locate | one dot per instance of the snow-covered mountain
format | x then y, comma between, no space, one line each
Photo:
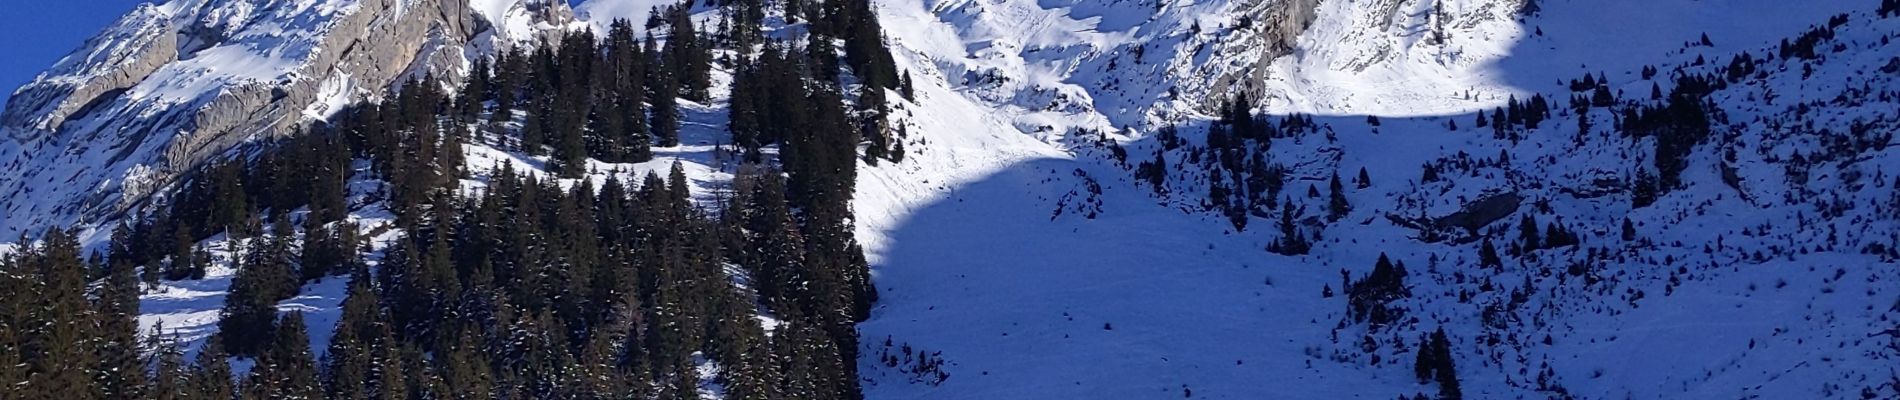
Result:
1017,243
1041,271
171,85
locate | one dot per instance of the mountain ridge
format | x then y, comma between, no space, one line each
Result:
169,86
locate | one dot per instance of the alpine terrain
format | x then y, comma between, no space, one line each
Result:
958,199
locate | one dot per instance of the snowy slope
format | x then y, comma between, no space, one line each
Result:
1011,244
984,251
601,14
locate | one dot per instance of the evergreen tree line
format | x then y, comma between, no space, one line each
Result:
784,87
1243,181
611,100
496,296
1435,364
1516,117
1369,299
60,340
1550,236
1803,46
509,293
1678,124
532,290
1599,95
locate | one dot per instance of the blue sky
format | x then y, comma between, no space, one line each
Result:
36,33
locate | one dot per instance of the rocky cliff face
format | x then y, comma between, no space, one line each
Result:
170,86
134,47
1277,29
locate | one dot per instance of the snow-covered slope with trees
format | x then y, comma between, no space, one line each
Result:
1050,268
1230,199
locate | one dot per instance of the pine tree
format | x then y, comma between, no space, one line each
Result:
211,376
121,373
1527,233
122,252
245,323
686,56
904,87
1427,361
871,117
409,369
808,360
666,113
537,356
1643,192
349,365
60,361
740,347
778,265
673,332
466,368
599,373
169,374
1337,207
1435,359
570,153
509,67
475,90
1488,256
437,287
1368,300
448,161
534,132
1291,241
286,370
864,46
321,253
745,109
200,258
329,180
1439,36
627,66
14,309
1154,173
232,207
